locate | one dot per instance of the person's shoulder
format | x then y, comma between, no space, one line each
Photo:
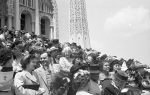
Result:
102,76
111,72
111,88
37,69
35,72
83,93
62,58
21,73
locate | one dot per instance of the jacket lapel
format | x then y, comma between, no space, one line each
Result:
42,75
31,77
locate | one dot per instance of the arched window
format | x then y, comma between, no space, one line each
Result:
23,21
43,26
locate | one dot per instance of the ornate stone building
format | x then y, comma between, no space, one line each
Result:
39,16
63,19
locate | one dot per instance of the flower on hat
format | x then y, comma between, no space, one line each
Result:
81,78
52,49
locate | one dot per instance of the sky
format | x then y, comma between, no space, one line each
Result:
120,28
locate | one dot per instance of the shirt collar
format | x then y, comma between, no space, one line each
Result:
113,83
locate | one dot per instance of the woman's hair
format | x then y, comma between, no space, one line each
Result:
113,63
74,60
26,60
5,56
17,43
101,63
66,49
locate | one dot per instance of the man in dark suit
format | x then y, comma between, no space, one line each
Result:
118,83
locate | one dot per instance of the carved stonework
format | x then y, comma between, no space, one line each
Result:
42,14
6,7
2,8
72,16
32,12
55,16
10,7
78,20
84,18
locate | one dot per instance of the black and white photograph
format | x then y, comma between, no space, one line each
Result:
74,47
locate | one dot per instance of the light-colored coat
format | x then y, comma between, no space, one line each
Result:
25,78
6,84
65,65
42,79
95,88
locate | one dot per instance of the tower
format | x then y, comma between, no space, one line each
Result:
73,25
78,23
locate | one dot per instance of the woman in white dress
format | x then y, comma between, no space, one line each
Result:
65,62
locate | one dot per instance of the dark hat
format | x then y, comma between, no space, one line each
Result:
103,57
74,44
113,63
94,68
78,54
76,68
5,55
94,55
139,66
121,75
55,41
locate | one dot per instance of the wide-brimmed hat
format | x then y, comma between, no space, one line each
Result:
121,75
113,63
76,68
74,44
5,55
94,68
55,41
139,66
52,49
77,54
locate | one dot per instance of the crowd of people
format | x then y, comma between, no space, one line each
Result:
35,65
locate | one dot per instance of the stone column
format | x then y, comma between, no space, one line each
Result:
54,28
2,21
9,22
17,15
37,26
51,32
32,23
